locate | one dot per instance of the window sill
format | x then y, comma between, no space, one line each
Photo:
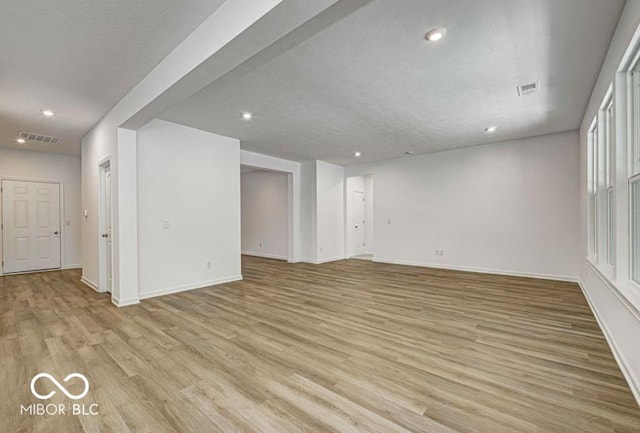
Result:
629,293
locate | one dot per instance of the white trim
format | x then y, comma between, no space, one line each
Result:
124,302
193,286
74,266
90,283
264,255
477,270
632,380
327,260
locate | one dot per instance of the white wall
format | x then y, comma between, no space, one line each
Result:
614,301
329,211
193,64
191,179
28,165
508,207
264,208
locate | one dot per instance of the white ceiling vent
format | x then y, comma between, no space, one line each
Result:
529,88
38,138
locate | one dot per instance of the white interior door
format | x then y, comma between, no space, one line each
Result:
31,226
358,222
107,234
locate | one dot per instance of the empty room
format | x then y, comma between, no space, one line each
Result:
320,216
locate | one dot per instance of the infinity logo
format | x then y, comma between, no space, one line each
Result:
59,385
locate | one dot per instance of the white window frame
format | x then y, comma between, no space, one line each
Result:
592,190
609,176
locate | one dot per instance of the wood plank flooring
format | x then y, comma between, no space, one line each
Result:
349,346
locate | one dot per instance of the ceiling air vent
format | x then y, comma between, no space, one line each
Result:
528,89
38,138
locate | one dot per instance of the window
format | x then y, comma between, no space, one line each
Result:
592,188
635,229
608,153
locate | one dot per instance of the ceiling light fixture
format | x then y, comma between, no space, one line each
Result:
491,129
357,154
48,113
434,35
247,116
21,140
409,152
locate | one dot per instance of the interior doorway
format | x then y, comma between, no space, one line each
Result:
106,229
359,217
266,213
31,229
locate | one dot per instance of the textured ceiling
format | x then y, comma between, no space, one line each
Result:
372,83
79,58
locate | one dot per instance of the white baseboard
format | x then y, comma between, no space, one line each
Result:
90,283
124,302
264,255
192,286
76,266
327,260
477,270
633,379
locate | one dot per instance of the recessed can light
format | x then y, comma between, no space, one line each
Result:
247,116
21,140
357,154
48,113
434,35
490,129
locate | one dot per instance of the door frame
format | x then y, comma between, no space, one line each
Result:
353,250
102,246
63,226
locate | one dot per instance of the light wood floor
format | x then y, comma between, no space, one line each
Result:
346,346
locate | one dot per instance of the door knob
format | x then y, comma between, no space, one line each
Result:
55,233
105,235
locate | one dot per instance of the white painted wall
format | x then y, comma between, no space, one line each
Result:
614,301
194,63
191,179
264,208
27,165
508,207
297,243
329,211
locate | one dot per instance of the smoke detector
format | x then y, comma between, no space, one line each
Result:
31,137
529,88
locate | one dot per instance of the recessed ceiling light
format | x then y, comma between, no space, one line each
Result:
491,129
357,154
409,152
434,35
247,116
21,140
48,113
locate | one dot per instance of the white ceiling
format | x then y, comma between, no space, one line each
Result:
79,58
372,83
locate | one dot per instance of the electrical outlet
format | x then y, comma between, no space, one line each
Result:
439,252
165,224
389,221
260,244
321,249
208,265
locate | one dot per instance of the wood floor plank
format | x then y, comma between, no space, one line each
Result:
348,346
